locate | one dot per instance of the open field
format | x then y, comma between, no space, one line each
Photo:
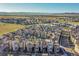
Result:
6,27
74,23
70,22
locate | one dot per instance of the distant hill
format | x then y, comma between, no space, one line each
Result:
37,13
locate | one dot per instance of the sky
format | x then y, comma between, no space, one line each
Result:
40,7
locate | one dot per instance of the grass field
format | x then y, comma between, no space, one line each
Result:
70,22
67,28
6,27
74,23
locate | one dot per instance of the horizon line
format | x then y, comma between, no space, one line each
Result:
34,12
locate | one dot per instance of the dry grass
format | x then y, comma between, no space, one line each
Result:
5,27
70,22
74,23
